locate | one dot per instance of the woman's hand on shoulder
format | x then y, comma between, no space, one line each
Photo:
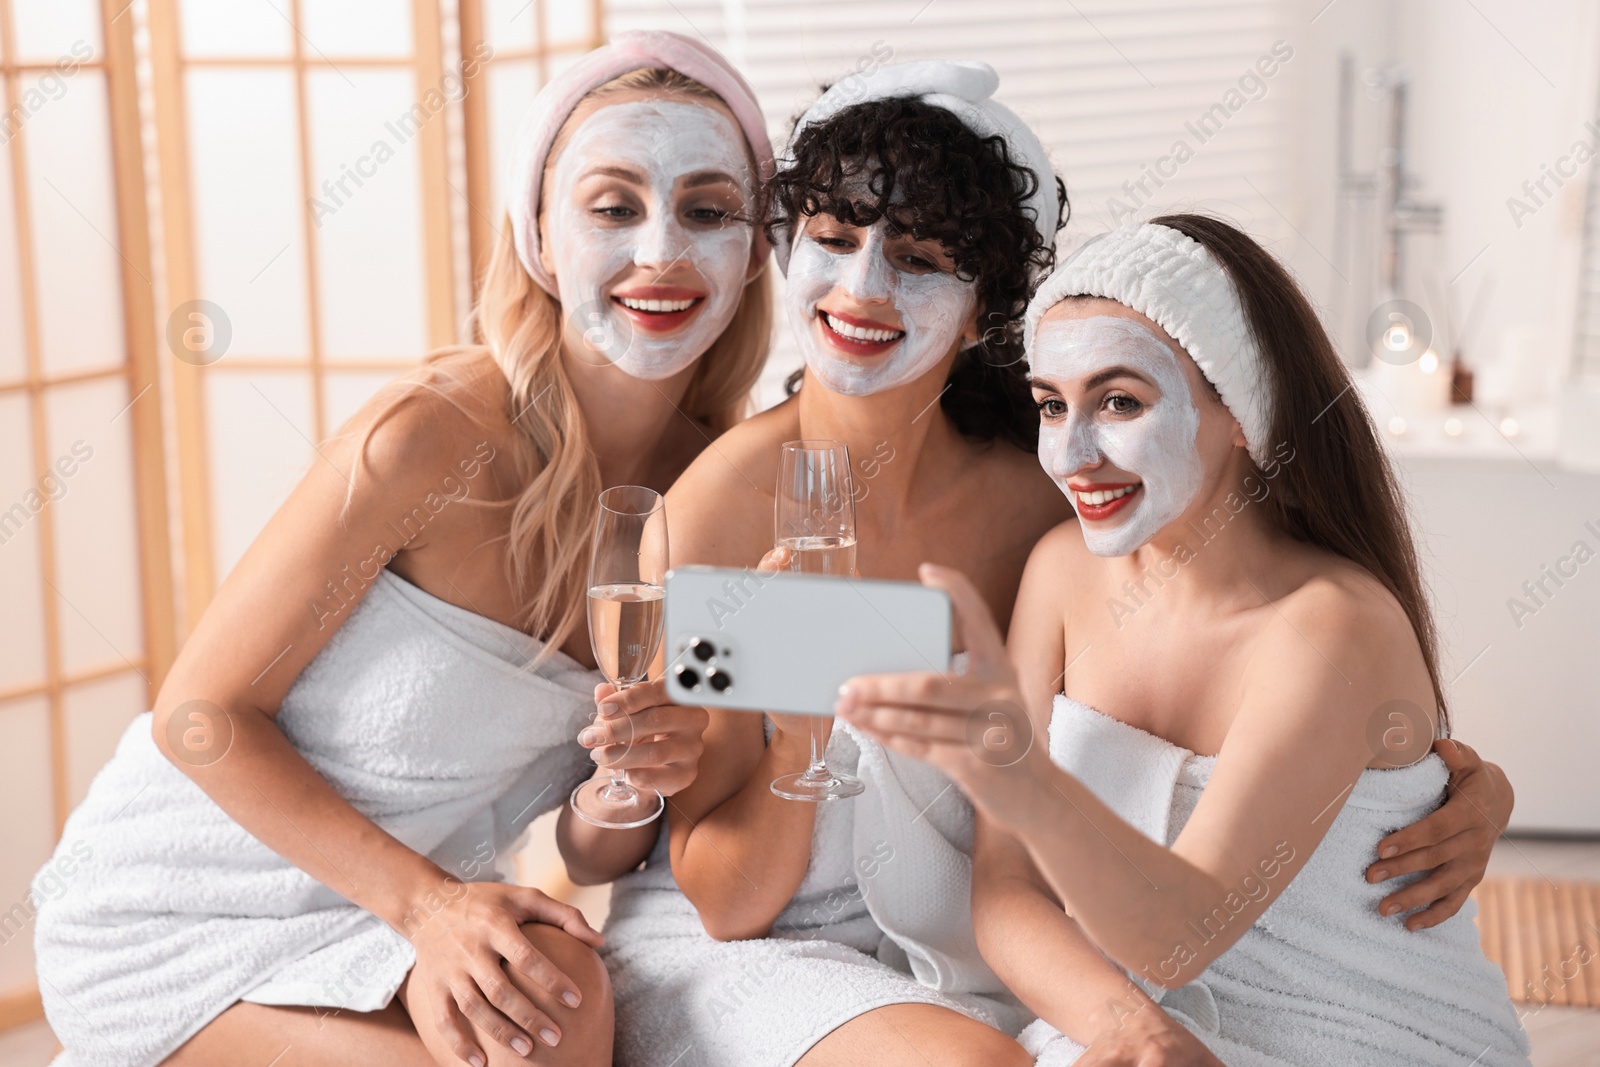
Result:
643,733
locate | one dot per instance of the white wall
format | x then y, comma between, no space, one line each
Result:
1499,88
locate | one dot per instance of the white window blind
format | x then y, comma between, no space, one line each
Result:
1145,106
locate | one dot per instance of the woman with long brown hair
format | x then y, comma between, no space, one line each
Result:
1232,690
294,858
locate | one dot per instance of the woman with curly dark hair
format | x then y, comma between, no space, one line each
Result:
912,229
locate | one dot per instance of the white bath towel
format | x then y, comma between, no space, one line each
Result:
686,1000
1320,978
922,901
426,717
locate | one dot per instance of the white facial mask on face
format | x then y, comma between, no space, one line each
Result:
931,307
664,140
1157,445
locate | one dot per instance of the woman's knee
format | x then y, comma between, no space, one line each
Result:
573,958
585,1033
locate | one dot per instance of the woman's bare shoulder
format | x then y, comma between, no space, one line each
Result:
1338,622
1341,600
720,510
427,423
742,458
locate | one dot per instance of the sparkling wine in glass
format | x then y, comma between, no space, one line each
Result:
815,519
626,570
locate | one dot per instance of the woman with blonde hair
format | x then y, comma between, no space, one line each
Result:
293,857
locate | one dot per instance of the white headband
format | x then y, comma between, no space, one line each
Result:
966,90
1174,281
629,51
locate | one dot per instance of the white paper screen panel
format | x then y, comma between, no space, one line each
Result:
73,205
261,433
48,29
97,559
368,210
374,28
245,180
236,28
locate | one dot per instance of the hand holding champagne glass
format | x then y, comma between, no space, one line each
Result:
626,570
815,517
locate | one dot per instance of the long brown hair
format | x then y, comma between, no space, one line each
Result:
1339,492
553,514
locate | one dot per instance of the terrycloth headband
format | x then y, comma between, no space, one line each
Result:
1173,280
966,90
634,50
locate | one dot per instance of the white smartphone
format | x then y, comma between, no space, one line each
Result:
785,642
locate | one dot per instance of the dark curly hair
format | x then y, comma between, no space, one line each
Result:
933,177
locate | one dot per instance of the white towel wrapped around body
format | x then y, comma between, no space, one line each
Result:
882,917
1321,977
425,716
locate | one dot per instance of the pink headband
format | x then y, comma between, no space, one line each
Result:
634,50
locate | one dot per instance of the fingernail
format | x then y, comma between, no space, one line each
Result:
590,736
610,710
549,1037
1390,909
846,692
522,1045
570,999
1380,874
476,1059
1388,852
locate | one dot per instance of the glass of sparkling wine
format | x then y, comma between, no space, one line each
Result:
626,570
815,518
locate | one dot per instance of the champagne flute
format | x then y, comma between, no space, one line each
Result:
626,571
815,517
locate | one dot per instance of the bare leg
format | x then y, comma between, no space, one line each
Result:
915,1035
586,1031
252,1035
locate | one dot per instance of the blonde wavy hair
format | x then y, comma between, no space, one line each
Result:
553,515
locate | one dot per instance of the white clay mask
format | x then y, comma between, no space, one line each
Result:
664,141
1156,445
932,308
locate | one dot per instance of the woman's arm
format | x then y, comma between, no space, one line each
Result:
1315,679
1042,956
270,618
658,743
1024,934
1453,844
738,851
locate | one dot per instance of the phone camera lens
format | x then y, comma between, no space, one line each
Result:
703,650
687,677
719,680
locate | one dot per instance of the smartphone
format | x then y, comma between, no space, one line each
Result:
785,642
